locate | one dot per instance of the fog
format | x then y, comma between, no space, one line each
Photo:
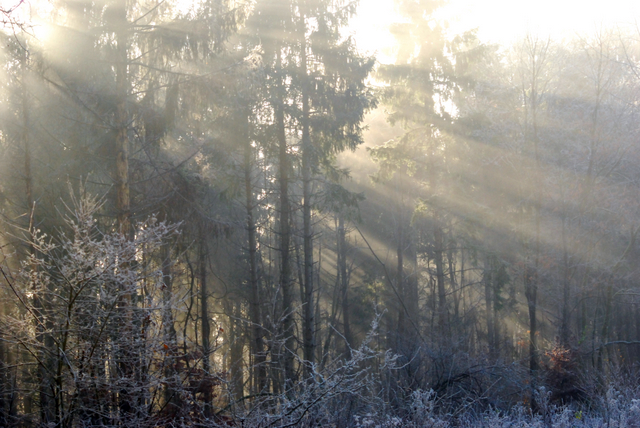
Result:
319,213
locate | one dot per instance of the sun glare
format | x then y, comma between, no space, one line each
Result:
502,21
41,31
497,21
32,17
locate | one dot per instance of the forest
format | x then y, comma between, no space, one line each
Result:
226,213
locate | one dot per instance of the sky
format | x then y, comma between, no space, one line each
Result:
499,21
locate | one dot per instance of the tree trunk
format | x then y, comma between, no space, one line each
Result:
455,291
536,52
204,320
307,304
257,341
489,307
287,354
5,384
127,358
42,322
236,351
411,283
443,312
344,285
170,338
604,334
121,120
565,329
531,293
400,278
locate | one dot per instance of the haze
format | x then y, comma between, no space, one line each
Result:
304,213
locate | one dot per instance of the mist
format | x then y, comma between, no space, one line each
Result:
319,213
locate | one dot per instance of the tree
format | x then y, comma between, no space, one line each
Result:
421,82
319,98
75,273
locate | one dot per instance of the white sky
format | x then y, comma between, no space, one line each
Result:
499,21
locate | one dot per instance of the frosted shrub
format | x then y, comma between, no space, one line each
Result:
619,410
623,413
565,418
422,404
320,399
373,421
633,416
81,318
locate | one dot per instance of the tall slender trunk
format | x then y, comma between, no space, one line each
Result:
204,320
257,341
636,317
489,292
127,353
443,312
236,360
536,57
5,384
400,277
7,390
604,333
463,294
344,285
169,331
42,321
411,282
334,304
285,231
121,120
565,329
531,294
26,144
455,290
308,305
533,285
583,259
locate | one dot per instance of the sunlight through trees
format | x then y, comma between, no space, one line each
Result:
227,213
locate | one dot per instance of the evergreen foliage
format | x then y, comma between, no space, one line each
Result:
224,214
